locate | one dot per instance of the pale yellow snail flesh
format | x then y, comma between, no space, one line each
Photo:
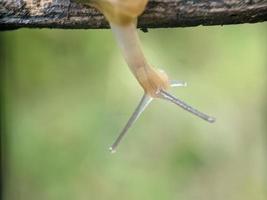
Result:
122,17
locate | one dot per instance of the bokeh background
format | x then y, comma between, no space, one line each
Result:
68,93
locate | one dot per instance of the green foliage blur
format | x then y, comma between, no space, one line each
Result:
68,93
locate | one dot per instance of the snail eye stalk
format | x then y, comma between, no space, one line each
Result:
146,100
166,96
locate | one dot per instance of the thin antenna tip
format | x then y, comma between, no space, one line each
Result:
174,83
112,150
211,119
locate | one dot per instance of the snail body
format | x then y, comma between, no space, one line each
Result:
122,17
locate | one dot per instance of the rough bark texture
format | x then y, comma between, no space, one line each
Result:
159,13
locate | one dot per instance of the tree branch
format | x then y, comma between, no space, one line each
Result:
159,13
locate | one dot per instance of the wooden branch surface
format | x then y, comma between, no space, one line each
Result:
158,14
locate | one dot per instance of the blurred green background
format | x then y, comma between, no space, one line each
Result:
68,93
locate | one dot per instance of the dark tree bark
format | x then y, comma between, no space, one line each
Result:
158,14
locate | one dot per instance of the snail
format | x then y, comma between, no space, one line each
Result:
122,17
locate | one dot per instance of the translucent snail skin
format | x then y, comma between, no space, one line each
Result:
122,17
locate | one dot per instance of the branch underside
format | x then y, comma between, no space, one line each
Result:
158,14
